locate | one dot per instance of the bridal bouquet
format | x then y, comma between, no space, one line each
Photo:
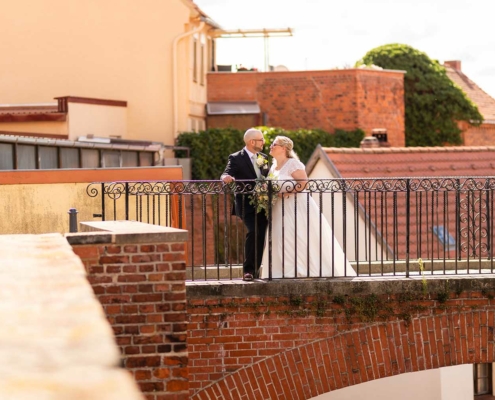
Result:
260,198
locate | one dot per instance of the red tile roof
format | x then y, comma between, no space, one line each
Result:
30,113
485,103
411,162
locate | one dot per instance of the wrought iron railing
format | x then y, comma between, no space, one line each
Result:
382,226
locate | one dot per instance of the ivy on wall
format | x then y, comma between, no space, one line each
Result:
433,103
210,149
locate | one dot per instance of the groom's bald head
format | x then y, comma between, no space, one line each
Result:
254,140
252,134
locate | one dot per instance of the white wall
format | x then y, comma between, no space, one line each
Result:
449,383
457,382
366,233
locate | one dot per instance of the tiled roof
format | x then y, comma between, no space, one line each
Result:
485,103
413,161
410,162
31,113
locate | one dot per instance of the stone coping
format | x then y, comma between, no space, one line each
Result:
338,286
55,340
122,232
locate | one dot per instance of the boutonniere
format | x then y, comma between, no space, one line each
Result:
262,162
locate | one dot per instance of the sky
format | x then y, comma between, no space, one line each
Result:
331,34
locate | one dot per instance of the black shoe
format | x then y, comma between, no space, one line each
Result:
247,277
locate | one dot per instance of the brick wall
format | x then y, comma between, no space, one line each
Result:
139,278
483,135
338,99
302,339
241,122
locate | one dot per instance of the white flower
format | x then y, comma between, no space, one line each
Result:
261,161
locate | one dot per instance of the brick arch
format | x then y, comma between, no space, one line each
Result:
361,355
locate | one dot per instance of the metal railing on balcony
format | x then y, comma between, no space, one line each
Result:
382,226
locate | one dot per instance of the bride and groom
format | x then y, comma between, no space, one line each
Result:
290,243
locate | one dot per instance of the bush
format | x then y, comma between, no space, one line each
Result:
210,149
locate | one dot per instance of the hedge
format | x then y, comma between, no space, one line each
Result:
210,149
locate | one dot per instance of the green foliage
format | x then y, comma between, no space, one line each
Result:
210,149
433,103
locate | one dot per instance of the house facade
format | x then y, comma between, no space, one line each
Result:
144,67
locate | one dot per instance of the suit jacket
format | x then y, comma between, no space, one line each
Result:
240,166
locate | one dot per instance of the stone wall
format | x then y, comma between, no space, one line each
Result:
137,272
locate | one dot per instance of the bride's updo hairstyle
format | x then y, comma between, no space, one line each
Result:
288,144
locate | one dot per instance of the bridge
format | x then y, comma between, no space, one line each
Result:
290,339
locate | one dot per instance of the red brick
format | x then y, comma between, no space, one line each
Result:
113,250
86,252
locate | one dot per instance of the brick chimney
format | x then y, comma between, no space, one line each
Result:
455,64
381,135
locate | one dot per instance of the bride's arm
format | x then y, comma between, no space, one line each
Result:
300,177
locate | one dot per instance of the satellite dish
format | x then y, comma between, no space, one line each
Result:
280,68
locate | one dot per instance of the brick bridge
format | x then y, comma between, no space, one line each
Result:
276,340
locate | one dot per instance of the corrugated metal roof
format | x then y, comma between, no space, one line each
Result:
228,108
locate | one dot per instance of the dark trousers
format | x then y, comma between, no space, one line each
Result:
256,224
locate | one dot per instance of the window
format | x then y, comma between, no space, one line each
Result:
203,71
6,156
444,237
482,375
48,157
195,60
26,157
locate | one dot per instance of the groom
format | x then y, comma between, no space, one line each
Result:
249,164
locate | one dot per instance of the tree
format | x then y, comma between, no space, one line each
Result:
433,103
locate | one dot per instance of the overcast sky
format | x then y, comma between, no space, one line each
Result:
335,34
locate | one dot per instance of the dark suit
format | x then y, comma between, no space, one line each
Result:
240,166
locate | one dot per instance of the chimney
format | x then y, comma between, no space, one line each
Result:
369,142
455,64
381,135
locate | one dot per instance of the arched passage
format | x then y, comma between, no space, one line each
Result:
371,352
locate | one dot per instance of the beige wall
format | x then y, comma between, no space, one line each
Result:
112,49
97,120
40,208
38,201
49,127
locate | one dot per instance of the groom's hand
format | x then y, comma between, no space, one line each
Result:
227,178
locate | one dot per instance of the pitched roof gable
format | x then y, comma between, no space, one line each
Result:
401,162
410,161
485,103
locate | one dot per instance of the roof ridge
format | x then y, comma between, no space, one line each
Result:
412,149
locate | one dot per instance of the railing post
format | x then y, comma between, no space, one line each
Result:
408,222
72,220
103,201
126,201
270,202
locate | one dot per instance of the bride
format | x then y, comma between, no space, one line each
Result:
290,243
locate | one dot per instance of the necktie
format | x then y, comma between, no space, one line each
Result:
255,165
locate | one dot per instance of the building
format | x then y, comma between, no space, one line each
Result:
116,68
334,99
483,135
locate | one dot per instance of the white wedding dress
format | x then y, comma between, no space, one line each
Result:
287,232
